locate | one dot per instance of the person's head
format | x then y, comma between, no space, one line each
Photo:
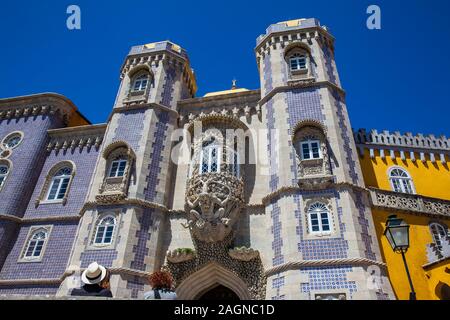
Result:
161,280
94,274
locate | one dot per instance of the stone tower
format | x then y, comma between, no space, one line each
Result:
131,182
314,173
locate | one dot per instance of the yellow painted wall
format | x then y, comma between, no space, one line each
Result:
416,257
430,179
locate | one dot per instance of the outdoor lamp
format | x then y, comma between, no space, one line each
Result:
397,233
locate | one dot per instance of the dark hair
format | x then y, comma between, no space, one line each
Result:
161,280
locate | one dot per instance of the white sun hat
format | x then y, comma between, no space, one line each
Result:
93,274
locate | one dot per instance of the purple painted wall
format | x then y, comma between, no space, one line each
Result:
27,160
85,161
55,257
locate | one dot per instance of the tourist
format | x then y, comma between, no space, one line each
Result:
162,287
96,282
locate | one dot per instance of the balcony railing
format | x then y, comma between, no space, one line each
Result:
409,202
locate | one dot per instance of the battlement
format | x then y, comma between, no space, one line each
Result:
408,140
297,24
158,46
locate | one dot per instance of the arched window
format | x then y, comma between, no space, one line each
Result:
401,181
140,82
4,170
105,230
298,62
117,167
439,233
319,218
35,245
310,149
210,157
59,184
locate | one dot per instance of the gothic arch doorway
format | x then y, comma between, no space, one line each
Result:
207,279
219,292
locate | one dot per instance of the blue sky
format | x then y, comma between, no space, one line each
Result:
396,78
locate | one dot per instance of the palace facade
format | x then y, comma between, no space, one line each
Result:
291,205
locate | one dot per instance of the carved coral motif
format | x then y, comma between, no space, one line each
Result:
179,256
213,202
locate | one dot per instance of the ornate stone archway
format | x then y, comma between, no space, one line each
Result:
209,277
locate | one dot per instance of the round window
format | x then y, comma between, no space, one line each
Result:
12,141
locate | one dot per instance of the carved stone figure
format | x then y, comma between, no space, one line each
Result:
213,202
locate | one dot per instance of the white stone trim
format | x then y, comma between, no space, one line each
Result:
97,217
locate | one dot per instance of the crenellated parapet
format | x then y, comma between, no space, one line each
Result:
38,104
152,54
387,143
285,33
76,137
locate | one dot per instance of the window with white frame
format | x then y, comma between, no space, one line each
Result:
401,181
297,62
439,233
117,168
105,230
140,83
4,170
210,158
310,149
59,184
319,218
35,245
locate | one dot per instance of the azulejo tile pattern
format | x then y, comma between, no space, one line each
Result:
130,127
136,285
84,161
158,147
328,278
27,160
346,136
140,250
277,243
277,283
54,258
37,290
104,257
167,94
329,63
317,249
302,104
